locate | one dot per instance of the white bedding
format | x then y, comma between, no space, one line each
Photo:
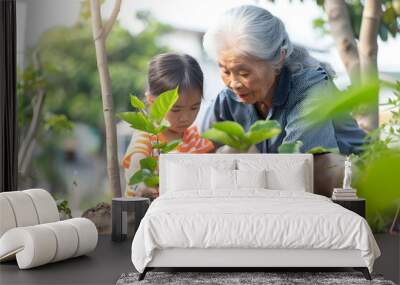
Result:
251,218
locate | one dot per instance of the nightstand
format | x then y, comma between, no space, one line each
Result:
126,214
355,205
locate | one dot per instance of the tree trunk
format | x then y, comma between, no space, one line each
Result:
99,36
360,61
340,26
27,145
368,53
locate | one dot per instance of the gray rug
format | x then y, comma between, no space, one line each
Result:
230,278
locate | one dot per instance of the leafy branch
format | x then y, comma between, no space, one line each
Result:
232,134
152,122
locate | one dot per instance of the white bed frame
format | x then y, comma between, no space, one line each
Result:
246,257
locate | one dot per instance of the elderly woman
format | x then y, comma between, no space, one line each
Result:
267,77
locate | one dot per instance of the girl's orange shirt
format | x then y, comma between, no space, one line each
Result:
142,142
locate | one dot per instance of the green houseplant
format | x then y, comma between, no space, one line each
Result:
63,209
233,135
151,121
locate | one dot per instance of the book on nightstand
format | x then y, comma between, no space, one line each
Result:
344,194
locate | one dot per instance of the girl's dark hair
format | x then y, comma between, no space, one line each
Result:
169,70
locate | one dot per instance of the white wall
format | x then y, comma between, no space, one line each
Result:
34,17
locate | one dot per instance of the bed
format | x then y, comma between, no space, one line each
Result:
247,210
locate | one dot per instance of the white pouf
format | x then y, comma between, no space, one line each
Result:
7,218
33,246
46,207
66,237
23,209
37,245
87,233
30,230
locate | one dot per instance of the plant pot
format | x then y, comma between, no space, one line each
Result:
388,263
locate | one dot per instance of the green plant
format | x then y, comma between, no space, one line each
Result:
63,208
232,134
379,184
334,103
378,166
153,122
293,147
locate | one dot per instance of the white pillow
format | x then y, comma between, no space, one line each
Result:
223,179
281,173
194,174
182,177
251,178
292,179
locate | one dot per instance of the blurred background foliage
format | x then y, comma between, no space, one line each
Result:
389,25
69,61
67,82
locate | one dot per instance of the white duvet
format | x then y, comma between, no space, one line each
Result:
253,218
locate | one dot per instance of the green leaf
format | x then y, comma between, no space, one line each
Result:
320,149
135,102
264,125
158,145
231,128
152,181
222,137
170,146
161,129
320,108
128,117
293,147
139,176
262,130
63,207
162,104
149,163
138,121
163,126
380,182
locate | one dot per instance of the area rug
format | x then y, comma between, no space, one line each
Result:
269,278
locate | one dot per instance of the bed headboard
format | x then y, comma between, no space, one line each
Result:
274,161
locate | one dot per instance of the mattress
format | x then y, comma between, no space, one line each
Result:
250,219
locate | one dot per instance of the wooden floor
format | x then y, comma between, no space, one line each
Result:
110,259
103,266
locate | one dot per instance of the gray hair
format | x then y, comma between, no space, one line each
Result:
254,31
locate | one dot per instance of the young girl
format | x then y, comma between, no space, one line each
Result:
166,72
